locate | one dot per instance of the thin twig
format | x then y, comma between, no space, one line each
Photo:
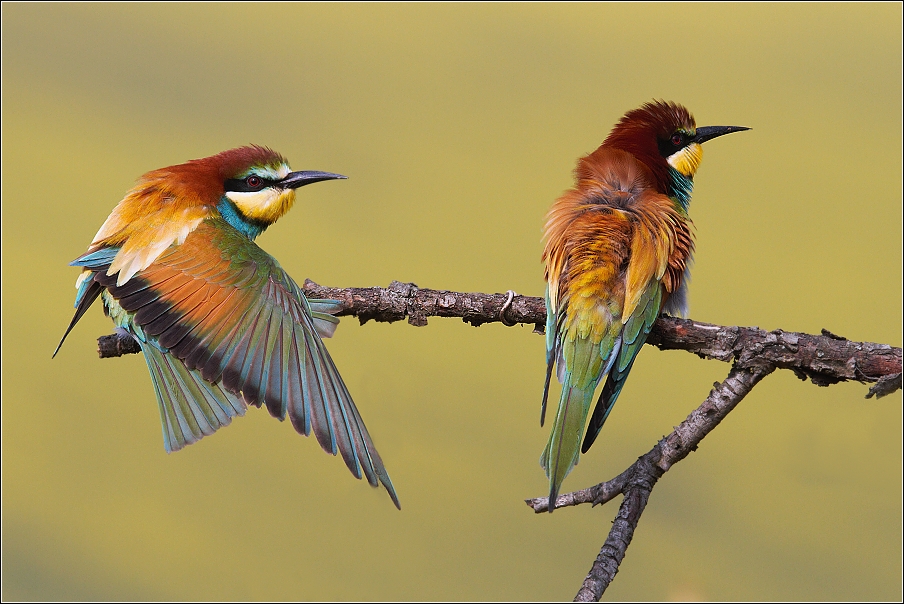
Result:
638,481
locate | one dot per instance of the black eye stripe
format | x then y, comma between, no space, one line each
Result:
668,147
240,185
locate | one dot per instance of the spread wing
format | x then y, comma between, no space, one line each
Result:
217,312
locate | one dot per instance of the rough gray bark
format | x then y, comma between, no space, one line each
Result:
754,353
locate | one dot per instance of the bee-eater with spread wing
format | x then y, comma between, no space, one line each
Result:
220,323
618,250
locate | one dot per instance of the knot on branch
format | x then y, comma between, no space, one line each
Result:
407,292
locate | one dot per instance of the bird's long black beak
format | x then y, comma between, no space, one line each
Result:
709,132
299,179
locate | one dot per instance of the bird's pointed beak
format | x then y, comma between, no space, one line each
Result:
293,180
709,132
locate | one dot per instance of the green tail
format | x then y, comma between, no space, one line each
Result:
564,447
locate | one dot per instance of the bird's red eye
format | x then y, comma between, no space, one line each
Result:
253,181
676,139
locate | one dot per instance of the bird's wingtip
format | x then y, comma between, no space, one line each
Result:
387,484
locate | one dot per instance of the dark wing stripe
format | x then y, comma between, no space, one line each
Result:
215,361
148,312
211,335
143,287
133,287
197,301
139,299
173,314
188,337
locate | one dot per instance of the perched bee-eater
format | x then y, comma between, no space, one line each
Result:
220,323
618,250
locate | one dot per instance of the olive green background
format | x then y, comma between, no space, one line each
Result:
457,125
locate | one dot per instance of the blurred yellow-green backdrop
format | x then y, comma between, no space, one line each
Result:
457,125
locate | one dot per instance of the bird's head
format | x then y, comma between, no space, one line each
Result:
259,183
251,187
664,136
257,186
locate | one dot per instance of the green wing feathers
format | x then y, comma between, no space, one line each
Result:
190,406
223,326
634,335
589,347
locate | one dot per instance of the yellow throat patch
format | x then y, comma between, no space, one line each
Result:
687,159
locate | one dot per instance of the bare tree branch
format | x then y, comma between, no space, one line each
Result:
401,300
824,359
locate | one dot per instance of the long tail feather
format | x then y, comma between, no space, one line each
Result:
562,451
637,328
550,363
604,404
608,396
